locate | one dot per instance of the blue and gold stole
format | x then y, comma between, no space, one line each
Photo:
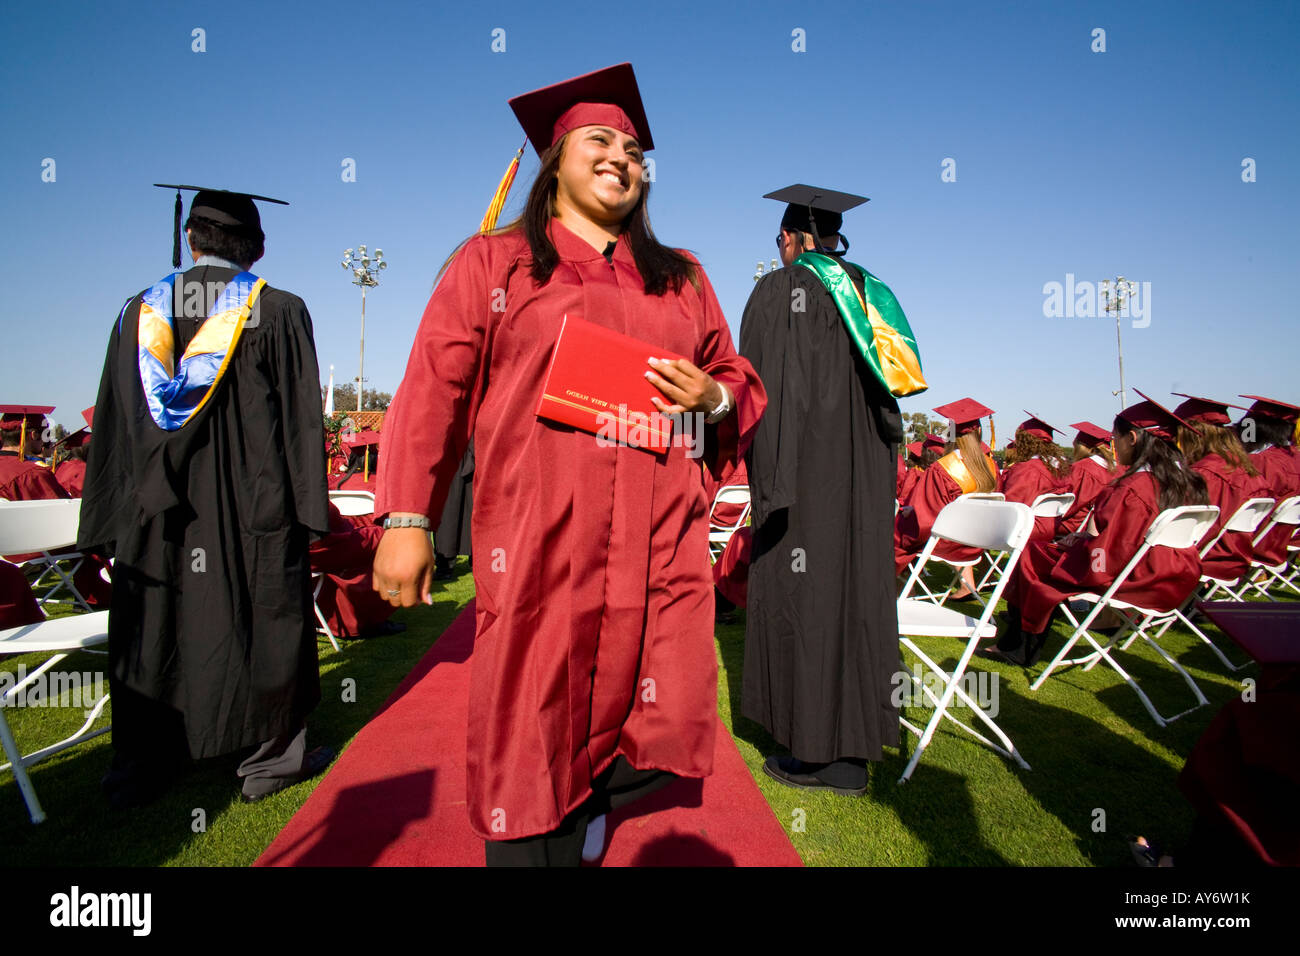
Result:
175,396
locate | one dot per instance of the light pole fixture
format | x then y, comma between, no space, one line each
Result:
365,273
1116,293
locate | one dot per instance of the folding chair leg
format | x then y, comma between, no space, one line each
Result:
1201,634
20,772
952,689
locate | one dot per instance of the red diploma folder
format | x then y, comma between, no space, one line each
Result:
596,382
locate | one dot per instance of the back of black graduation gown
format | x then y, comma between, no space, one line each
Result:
821,642
209,525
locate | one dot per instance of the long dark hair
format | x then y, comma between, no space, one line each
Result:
1178,485
661,268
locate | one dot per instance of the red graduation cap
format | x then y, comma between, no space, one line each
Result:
607,97
984,447
1037,427
1090,434
1207,410
74,439
1272,408
965,414
13,417
932,440
89,415
1151,416
362,438
915,448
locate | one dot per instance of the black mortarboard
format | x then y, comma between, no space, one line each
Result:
229,210
824,207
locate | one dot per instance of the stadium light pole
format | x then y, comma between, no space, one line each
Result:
1116,301
365,273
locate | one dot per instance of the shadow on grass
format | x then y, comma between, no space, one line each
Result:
82,831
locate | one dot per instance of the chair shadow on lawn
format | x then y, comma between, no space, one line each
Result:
82,831
1098,783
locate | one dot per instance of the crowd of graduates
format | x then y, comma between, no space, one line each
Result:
1152,459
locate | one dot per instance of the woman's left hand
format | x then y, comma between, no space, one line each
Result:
688,387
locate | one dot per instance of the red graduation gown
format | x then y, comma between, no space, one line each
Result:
1047,574
71,474
1280,469
27,481
1229,559
933,492
594,592
1025,481
346,557
17,603
908,484
1086,480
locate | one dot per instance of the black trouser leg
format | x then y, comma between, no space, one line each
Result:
266,768
618,786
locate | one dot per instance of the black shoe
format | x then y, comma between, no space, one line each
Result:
313,764
382,630
796,773
1026,655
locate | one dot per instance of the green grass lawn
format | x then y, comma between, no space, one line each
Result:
1101,770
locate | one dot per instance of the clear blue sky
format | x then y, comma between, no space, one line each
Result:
1067,161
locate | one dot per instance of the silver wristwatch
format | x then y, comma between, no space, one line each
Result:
406,522
723,409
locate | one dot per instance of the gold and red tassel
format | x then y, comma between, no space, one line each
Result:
499,198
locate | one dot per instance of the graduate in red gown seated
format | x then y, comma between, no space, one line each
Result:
1035,466
1093,469
22,478
1145,440
69,462
346,557
1267,431
965,468
1216,454
731,569
920,456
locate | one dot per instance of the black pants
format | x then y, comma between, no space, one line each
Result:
618,786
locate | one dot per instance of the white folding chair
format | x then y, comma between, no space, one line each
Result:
1245,520
1045,506
54,522
1264,577
990,525
720,532
939,599
1179,528
43,526
353,503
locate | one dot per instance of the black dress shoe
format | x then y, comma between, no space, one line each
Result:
795,773
313,764
382,630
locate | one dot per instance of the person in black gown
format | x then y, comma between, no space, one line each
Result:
821,640
206,481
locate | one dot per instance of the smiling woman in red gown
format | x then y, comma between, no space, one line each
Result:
1050,572
594,669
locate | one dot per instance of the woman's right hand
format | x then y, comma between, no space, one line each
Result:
403,567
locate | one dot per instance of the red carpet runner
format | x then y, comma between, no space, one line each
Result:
397,796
